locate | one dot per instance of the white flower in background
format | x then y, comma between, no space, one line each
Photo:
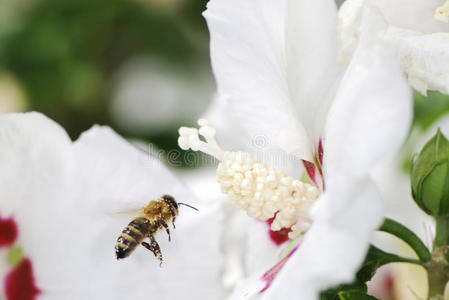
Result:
66,200
150,96
12,95
275,63
418,30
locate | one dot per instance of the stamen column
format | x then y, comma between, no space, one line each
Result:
263,192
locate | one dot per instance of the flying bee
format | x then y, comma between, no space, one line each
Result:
154,217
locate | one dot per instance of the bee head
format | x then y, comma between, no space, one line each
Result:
171,202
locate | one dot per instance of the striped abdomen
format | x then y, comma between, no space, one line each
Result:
132,236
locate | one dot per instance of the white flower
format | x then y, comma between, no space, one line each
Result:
417,29
275,63
148,95
66,199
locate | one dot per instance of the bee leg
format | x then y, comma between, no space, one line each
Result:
166,229
172,211
154,247
173,214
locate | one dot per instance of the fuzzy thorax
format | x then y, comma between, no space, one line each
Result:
263,192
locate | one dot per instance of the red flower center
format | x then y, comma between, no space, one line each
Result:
278,237
19,283
8,232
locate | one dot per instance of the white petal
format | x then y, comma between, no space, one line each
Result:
349,19
421,49
424,58
311,55
372,111
336,244
406,13
248,58
64,229
231,136
394,186
33,149
402,13
248,253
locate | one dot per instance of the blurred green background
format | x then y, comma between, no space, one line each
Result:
139,66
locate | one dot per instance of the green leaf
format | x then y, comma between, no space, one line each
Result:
400,231
428,109
333,293
377,258
374,259
355,295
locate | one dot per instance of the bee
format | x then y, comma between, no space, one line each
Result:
154,217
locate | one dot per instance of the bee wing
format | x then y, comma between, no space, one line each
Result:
128,213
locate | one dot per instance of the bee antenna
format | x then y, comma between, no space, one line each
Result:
180,203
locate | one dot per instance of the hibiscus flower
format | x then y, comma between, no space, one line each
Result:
63,204
275,63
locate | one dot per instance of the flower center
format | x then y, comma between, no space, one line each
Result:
442,12
8,232
263,192
20,283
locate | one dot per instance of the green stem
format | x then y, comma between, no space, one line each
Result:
438,276
442,231
438,268
400,231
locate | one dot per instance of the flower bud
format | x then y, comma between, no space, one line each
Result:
430,176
